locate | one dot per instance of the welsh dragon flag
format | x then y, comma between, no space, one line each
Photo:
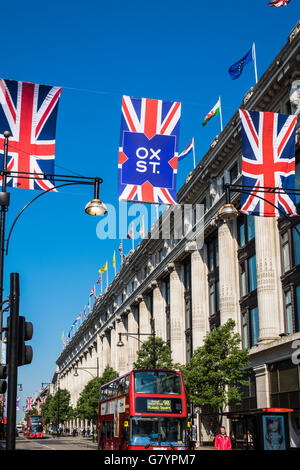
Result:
214,112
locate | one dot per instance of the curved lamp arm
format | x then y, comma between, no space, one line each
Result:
34,199
276,207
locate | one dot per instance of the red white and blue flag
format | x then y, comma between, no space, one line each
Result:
148,150
187,150
28,111
268,144
278,3
29,403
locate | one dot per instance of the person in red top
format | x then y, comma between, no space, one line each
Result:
222,441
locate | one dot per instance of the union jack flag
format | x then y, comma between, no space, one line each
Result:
268,143
29,403
148,150
278,3
28,111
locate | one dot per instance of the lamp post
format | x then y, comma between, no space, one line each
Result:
86,369
95,207
133,335
228,211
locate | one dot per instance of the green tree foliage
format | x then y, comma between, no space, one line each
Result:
87,404
45,409
59,406
215,373
162,353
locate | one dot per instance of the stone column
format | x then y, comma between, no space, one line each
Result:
269,291
122,352
145,326
100,339
177,313
113,346
200,306
106,349
262,386
132,341
159,308
100,353
228,273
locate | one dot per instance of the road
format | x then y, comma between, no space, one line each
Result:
54,443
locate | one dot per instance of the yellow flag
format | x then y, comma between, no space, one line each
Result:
114,259
103,269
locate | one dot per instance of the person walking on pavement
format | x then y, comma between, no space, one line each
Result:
222,441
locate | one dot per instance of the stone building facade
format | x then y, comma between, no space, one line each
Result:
248,269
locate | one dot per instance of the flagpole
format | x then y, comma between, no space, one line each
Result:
107,277
254,60
194,153
221,121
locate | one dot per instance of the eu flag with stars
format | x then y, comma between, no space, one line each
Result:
236,69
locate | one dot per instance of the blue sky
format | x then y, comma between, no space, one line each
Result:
98,51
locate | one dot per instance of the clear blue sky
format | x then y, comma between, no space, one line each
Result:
98,51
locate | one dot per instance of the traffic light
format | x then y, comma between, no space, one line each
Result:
3,375
25,332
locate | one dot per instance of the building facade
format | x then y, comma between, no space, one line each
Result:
247,269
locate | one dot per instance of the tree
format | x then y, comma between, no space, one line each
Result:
216,372
162,353
59,406
87,404
45,409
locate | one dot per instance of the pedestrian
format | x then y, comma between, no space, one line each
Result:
222,441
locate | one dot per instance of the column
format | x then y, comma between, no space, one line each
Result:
228,273
262,386
106,349
100,339
133,327
177,314
159,307
145,326
122,352
269,291
200,307
100,353
113,346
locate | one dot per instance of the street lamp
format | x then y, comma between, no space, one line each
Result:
94,207
120,343
228,211
86,369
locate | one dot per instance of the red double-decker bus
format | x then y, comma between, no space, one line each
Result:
143,409
35,427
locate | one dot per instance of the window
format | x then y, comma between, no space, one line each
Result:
157,382
246,230
213,253
284,384
233,173
290,268
252,273
167,290
248,281
213,281
288,312
254,326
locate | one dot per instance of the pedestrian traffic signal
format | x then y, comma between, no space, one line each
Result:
3,375
25,332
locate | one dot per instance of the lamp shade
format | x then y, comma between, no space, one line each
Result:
95,207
